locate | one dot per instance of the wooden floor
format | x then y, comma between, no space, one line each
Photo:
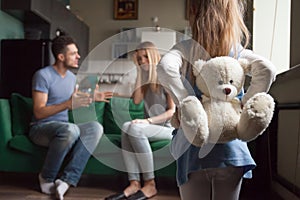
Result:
20,186
15,186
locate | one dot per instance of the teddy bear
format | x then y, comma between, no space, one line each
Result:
220,116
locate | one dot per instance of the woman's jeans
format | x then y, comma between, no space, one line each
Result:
71,144
137,153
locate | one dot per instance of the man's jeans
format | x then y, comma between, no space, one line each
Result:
62,139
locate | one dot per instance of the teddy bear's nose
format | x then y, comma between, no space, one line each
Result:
227,91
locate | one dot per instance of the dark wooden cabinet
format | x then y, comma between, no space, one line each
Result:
48,16
19,60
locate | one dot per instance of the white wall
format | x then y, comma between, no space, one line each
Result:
271,31
98,14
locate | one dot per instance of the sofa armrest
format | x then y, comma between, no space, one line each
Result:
5,123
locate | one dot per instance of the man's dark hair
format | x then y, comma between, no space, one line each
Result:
60,43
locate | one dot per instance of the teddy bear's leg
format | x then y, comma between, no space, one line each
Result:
194,121
256,116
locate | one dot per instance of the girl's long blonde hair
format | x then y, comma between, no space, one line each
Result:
218,25
153,57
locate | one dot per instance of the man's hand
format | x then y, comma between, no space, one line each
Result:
102,96
80,99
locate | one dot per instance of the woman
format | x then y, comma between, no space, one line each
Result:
137,134
214,171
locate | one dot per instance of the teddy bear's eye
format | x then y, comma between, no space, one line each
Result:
231,81
221,82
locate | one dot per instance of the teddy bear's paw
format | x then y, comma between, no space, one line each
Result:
200,139
256,116
191,109
193,121
197,136
260,106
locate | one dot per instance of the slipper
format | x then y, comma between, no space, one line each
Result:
139,195
117,196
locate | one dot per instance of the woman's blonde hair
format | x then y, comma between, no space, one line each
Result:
153,57
218,25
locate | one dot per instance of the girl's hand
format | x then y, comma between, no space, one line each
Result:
175,120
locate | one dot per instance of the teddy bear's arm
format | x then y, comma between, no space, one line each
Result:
263,74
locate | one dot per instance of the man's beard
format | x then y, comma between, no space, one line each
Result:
74,69
71,67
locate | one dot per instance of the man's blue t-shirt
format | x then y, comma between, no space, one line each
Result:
58,88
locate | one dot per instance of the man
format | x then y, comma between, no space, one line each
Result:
54,93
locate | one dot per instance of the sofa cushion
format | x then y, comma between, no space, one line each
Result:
156,145
21,112
23,143
84,114
118,111
109,144
5,122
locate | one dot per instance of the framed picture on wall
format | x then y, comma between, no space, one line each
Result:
125,9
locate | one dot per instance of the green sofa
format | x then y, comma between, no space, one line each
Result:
19,154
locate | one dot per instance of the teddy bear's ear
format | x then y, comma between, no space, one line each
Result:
246,65
198,66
